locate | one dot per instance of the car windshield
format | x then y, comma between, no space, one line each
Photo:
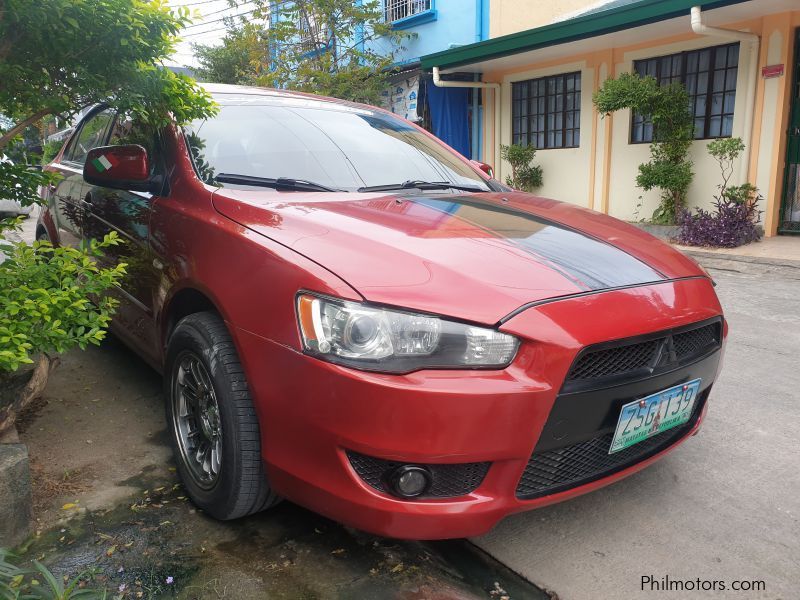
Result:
323,143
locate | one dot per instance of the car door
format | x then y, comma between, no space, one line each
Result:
128,214
67,196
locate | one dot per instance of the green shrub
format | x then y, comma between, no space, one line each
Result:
45,301
524,175
726,151
51,299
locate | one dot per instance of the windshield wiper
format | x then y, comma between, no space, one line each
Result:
279,183
420,185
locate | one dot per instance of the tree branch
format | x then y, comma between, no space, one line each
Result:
9,135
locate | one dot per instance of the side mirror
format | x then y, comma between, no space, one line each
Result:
483,167
118,167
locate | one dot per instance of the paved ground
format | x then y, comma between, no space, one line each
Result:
725,506
28,229
779,248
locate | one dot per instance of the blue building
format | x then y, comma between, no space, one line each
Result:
452,114
437,24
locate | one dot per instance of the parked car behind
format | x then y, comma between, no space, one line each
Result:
10,208
350,315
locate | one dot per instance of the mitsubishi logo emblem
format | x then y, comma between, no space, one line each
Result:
668,354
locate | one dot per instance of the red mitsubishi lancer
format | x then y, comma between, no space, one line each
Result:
350,315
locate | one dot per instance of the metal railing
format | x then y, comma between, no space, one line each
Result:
394,10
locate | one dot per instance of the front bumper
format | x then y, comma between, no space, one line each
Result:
312,413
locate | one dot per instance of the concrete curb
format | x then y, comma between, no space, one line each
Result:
662,232
15,495
759,260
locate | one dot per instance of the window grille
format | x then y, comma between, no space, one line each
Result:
394,10
546,112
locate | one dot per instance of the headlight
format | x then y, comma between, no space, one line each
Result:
377,339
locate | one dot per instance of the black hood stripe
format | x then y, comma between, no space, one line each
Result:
528,305
590,263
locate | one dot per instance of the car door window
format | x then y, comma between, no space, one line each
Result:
91,135
126,211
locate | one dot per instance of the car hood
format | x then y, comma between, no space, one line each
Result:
476,257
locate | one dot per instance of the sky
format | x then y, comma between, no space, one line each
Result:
207,28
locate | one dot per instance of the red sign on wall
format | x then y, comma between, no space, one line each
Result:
772,71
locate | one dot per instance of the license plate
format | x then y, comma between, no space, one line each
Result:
641,419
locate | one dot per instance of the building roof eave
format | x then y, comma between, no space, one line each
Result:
588,25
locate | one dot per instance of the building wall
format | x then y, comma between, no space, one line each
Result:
458,22
511,16
601,173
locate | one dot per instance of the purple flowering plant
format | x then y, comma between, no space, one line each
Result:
734,219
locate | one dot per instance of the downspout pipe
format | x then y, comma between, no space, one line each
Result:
476,124
495,87
701,28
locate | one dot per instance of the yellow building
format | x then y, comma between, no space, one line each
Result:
545,59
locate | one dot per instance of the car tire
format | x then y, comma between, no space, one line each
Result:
212,423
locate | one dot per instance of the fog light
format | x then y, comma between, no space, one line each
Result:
410,481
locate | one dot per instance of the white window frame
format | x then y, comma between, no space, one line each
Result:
397,10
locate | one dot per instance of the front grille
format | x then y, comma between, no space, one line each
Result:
449,480
696,341
613,361
630,357
564,468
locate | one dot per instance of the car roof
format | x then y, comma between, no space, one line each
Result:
243,94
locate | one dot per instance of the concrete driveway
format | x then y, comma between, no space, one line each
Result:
725,506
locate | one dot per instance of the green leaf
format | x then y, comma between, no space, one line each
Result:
54,584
